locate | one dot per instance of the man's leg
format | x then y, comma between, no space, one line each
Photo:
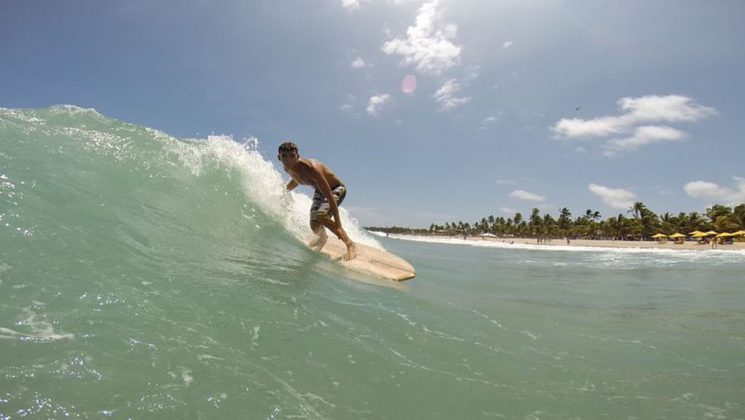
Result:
320,231
341,234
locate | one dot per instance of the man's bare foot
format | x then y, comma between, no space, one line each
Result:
351,251
319,242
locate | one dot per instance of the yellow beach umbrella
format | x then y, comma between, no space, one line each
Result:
711,232
695,232
677,235
699,235
659,236
739,233
724,235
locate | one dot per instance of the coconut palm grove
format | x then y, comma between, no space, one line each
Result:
637,223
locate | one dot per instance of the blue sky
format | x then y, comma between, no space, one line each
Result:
430,111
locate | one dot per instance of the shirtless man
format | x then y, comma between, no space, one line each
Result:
330,192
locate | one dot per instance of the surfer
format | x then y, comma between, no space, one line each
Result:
329,193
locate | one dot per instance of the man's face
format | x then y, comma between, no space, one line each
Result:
288,158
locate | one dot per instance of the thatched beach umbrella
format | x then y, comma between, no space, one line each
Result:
677,237
660,237
699,236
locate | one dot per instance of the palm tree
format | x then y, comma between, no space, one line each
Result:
725,223
738,214
535,222
592,215
718,210
517,220
695,221
624,227
669,224
499,225
648,221
617,227
549,226
637,209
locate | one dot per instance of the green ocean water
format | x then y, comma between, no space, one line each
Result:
143,276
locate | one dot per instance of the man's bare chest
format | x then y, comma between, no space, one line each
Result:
301,178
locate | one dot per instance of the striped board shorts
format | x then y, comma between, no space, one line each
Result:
321,206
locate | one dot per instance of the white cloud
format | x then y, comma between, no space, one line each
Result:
616,198
427,46
642,136
376,103
490,120
351,4
507,210
640,125
507,44
579,128
642,110
357,63
526,196
711,191
445,96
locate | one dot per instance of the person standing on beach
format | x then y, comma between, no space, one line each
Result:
329,193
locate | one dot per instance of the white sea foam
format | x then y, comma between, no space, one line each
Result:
262,183
186,375
73,110
40,330
703,253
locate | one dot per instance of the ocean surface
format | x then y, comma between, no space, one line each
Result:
144,276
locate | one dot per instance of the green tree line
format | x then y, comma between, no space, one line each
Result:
637,223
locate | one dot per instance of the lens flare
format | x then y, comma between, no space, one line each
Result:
408,85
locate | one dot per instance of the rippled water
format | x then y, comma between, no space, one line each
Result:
145,276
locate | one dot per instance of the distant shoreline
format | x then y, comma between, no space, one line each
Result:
594,243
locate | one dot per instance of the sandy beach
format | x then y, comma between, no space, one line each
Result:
600,243
596,243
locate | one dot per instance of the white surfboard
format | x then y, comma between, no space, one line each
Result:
370,261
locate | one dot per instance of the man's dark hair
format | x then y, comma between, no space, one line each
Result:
287,146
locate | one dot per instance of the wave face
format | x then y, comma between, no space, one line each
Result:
119,233
86,195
